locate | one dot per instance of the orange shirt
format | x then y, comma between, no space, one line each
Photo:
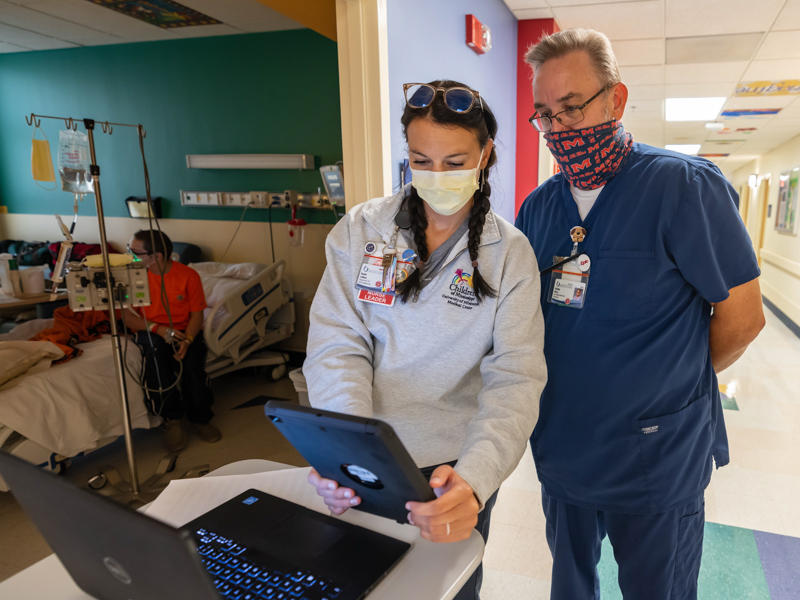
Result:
184,291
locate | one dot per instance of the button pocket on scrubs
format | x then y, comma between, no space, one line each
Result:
675,451
622,285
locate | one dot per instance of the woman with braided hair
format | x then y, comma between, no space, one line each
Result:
428,318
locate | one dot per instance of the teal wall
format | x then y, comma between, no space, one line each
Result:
264,93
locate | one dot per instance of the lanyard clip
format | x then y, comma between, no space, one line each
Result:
577,234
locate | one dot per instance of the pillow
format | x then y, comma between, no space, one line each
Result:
218,269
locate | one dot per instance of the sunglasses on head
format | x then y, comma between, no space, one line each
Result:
457,99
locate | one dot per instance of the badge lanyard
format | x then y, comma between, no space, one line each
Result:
569,276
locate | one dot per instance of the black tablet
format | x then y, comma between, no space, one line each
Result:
362,454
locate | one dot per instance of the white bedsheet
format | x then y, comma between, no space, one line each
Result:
71,406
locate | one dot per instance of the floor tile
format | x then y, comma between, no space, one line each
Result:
529,555
519,507
501,539
500,585
780,559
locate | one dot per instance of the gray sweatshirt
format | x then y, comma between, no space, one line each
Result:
455,379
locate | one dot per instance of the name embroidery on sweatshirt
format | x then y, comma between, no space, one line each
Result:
461,293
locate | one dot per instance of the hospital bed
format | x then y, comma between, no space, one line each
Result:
74,408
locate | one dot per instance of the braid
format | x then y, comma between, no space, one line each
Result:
477,218
419,222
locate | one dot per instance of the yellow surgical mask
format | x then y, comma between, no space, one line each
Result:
41,161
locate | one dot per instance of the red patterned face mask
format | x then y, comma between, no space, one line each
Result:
590,157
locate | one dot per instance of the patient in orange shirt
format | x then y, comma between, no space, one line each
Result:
170,335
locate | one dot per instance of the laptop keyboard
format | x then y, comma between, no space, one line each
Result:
238,578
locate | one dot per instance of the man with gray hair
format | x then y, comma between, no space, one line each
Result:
630,419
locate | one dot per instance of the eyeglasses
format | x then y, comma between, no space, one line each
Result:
457,99
569,116
137,254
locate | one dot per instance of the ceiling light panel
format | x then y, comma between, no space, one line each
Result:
712,48
691,149
619,21
693,109
710,17
639,52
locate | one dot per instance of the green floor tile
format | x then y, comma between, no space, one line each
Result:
729,403
731,568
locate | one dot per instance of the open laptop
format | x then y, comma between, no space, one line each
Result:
255,546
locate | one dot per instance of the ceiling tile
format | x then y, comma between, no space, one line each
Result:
30,40
643,75
533,13
8,48
780,44
699,90
711,17
789,17
43,24
637,93
758,102
619,21
523,4
639,52
705,72
712,48
555,3
103,19
773,70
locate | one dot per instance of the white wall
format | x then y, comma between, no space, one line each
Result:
780,252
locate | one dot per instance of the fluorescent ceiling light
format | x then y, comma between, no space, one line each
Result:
250,161
715,125
694,109
685,148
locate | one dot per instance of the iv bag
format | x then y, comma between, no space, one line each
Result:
73,162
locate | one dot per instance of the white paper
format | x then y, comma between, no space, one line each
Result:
184,500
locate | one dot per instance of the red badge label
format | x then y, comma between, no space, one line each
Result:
376,297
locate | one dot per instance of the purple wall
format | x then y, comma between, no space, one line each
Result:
427,41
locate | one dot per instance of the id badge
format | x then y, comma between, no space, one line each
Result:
569,282
377,277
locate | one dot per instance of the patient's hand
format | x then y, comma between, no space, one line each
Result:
338,499
455,505
180,349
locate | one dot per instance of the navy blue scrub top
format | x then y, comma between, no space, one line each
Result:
631,413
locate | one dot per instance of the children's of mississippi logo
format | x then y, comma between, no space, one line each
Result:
461,293
461,278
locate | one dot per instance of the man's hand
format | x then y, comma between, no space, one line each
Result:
454,513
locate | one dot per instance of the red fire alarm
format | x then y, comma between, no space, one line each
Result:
479,36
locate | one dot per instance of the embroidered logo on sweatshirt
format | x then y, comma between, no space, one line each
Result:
460,290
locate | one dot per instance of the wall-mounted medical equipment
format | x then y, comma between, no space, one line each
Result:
140,208
333,180
89,289
250,161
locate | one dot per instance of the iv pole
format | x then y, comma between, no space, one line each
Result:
130,492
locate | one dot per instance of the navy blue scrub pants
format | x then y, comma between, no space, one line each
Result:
658,555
